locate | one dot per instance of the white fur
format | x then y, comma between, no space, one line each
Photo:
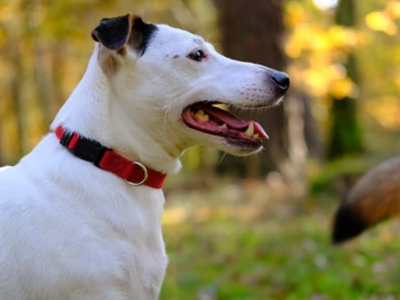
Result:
4,168
69,230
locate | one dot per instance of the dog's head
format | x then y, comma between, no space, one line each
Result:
169,82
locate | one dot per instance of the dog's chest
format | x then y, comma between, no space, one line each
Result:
109,271
100,257
135,249
137,271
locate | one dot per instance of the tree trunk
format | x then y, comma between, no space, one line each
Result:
41,81
310,128
252,30
345,136
57,67
16,99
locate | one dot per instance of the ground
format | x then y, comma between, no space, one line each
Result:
241,241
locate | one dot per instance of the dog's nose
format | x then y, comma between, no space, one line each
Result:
282,80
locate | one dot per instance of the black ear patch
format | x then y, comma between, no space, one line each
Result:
115,33
141,35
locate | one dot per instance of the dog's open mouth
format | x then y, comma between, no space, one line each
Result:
205,117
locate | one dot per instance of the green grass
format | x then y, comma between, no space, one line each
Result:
228,244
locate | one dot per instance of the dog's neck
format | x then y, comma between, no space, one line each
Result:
93,111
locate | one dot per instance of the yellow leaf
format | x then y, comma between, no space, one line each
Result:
295,14
380,21
342,88
393,9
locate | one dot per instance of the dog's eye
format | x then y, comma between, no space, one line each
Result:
198,55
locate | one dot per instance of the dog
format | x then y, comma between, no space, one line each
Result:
4,168
373,199
80,215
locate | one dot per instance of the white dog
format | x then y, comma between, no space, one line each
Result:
81,221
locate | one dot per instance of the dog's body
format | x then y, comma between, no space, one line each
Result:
69,230
63,240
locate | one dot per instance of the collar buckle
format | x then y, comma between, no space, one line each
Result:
145,176
88,150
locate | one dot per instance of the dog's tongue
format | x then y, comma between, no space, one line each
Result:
214,120
233,121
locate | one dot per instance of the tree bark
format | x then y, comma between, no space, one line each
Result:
16,98
345,135
252,30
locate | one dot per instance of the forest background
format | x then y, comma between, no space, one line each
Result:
247,228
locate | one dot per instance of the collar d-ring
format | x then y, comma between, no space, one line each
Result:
145,174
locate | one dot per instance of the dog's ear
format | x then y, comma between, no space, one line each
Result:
115,33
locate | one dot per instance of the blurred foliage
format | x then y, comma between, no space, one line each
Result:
256,245
243,240
318,48
45,45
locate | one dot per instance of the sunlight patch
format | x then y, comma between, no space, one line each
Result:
326,4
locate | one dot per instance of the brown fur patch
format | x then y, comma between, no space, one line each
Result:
122,51
132,18
108,61
135,40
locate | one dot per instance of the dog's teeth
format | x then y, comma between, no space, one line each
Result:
224,128
256,136
204,118
250,130
201,116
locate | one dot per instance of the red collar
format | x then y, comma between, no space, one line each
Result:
106,159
